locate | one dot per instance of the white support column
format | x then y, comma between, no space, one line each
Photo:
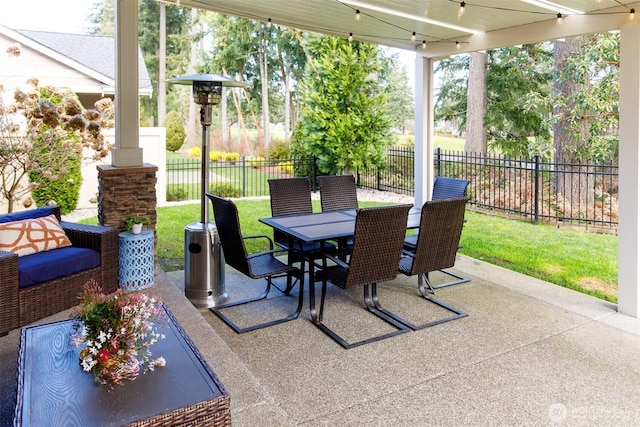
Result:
629,177
424,131
127,152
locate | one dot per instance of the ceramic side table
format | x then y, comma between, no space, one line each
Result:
136,260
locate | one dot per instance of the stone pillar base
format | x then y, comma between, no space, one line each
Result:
126,191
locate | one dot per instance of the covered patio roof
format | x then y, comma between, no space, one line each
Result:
440,24
441,30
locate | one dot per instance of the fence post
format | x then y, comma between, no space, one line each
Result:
438,172
536,191
244,176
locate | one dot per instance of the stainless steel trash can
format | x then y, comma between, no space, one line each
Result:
204,265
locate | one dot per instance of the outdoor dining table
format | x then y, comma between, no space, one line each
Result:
323,226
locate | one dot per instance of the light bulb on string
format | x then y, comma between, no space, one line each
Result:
424,44
350,37
357,14
559,18
632,14
461,9
269,23
458,45
413,36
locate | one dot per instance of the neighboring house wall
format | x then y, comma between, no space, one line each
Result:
15,71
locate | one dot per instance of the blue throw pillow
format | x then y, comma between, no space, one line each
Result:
31,213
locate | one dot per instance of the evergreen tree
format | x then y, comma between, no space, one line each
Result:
345,122
394,76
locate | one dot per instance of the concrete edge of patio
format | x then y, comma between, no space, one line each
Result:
568,299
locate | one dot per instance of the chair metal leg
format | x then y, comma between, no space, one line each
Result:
457,314
218,310
460,279
421,288
290,283
400,328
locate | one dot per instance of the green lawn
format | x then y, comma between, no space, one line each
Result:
586,262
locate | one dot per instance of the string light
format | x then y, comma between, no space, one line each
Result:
424,44
413,36
632,14
461,9
269,23
357,14
458,45
350,37
559,18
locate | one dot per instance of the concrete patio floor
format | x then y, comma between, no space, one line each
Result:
529,353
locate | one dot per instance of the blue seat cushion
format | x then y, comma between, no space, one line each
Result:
48,265
31,213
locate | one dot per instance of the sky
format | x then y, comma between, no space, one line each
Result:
67,16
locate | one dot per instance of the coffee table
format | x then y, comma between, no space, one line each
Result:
54,391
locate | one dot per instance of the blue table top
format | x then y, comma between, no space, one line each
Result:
324,225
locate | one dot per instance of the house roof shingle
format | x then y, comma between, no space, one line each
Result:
92,51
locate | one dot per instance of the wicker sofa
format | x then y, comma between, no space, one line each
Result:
22,303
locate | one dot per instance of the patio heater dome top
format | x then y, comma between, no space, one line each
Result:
207,78
207,88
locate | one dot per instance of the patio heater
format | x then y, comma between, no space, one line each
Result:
204,260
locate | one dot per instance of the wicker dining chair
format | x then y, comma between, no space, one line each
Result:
443,188
291,196
257,265
441,224
337,192
449,188
377,246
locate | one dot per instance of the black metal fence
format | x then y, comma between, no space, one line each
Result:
579,194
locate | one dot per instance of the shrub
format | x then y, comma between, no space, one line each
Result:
279,150
195,152
215,156
232,157
63,192
286,167
255,162
176,192
175,131
298,151
224,189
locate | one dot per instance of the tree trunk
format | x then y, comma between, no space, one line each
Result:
265,92
162,66
225,120
476,135
571,187
193,120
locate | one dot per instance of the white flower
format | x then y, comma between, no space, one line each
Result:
88,363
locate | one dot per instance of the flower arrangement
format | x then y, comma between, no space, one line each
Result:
118,331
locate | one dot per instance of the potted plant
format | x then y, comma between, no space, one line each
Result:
135,223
